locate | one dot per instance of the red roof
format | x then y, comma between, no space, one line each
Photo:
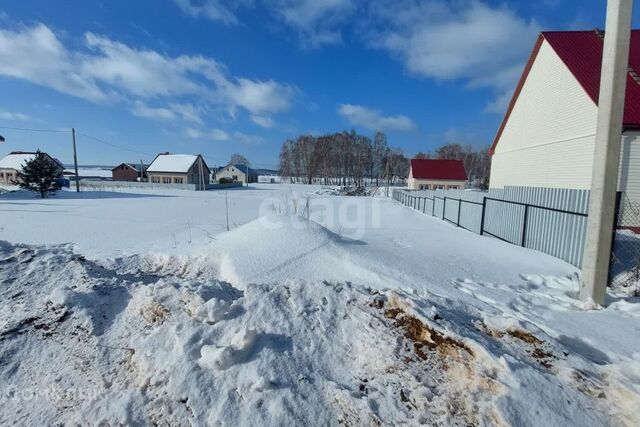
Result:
438,169
581,52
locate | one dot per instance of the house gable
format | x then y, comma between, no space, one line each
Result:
548,134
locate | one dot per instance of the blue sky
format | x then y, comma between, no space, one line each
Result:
217,77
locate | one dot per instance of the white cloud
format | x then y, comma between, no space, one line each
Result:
107,70
262,121
188,112
244,138
36,54
316,21
221,135
372,119
140,109
8,115
214,10
258,97
469,40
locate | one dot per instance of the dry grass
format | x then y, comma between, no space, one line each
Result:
154,313
423,335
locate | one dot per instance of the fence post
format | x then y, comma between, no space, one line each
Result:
484,206
433,206
616,218
523,241
459,207
444,206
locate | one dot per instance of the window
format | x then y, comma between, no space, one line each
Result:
155,179
177,180
1,175
425,187
438,187
454,187
166,180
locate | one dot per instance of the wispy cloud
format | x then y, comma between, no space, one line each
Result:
373,119
262,121
111,71
316,22
222,135
214,10
140,109
9,115
468,40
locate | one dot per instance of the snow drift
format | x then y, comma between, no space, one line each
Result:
130,342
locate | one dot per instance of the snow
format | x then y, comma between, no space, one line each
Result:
172,163
141,308
15,161
84,171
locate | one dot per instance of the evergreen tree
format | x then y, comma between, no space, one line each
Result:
39,175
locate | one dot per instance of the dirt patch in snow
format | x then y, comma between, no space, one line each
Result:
424,336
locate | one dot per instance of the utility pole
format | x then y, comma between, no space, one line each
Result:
75,159
606,157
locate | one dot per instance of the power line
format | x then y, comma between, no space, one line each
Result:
36,130
102,141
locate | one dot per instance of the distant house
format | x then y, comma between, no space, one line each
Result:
129,172
179,169
14,162
237,173
436,174
269,179
547,136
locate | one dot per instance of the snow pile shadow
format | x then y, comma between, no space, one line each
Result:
130,343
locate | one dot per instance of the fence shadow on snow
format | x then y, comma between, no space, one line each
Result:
549,220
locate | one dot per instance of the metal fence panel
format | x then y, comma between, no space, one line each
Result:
550,220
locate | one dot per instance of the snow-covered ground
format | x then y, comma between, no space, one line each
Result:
134,308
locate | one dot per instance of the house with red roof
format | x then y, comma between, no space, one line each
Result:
547,136
436,174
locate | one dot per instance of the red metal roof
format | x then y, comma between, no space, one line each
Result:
438,169
581,52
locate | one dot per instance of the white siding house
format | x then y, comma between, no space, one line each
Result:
179,169
15,161
236,173
547,136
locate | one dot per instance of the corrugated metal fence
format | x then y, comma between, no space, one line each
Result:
550,220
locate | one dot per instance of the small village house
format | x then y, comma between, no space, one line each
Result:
269,179
179,169
129,172
547,136
14,162
236,173
436,174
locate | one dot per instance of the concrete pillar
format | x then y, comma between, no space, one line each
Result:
595,261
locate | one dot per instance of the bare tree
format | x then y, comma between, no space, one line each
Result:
239,159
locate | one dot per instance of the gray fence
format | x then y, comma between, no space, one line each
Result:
549,220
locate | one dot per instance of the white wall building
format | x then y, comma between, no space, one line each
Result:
236,173
547,136
269,179
15,161
179,169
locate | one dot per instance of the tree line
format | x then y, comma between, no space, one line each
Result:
348,158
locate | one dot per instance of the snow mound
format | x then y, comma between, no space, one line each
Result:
84,343
273,248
